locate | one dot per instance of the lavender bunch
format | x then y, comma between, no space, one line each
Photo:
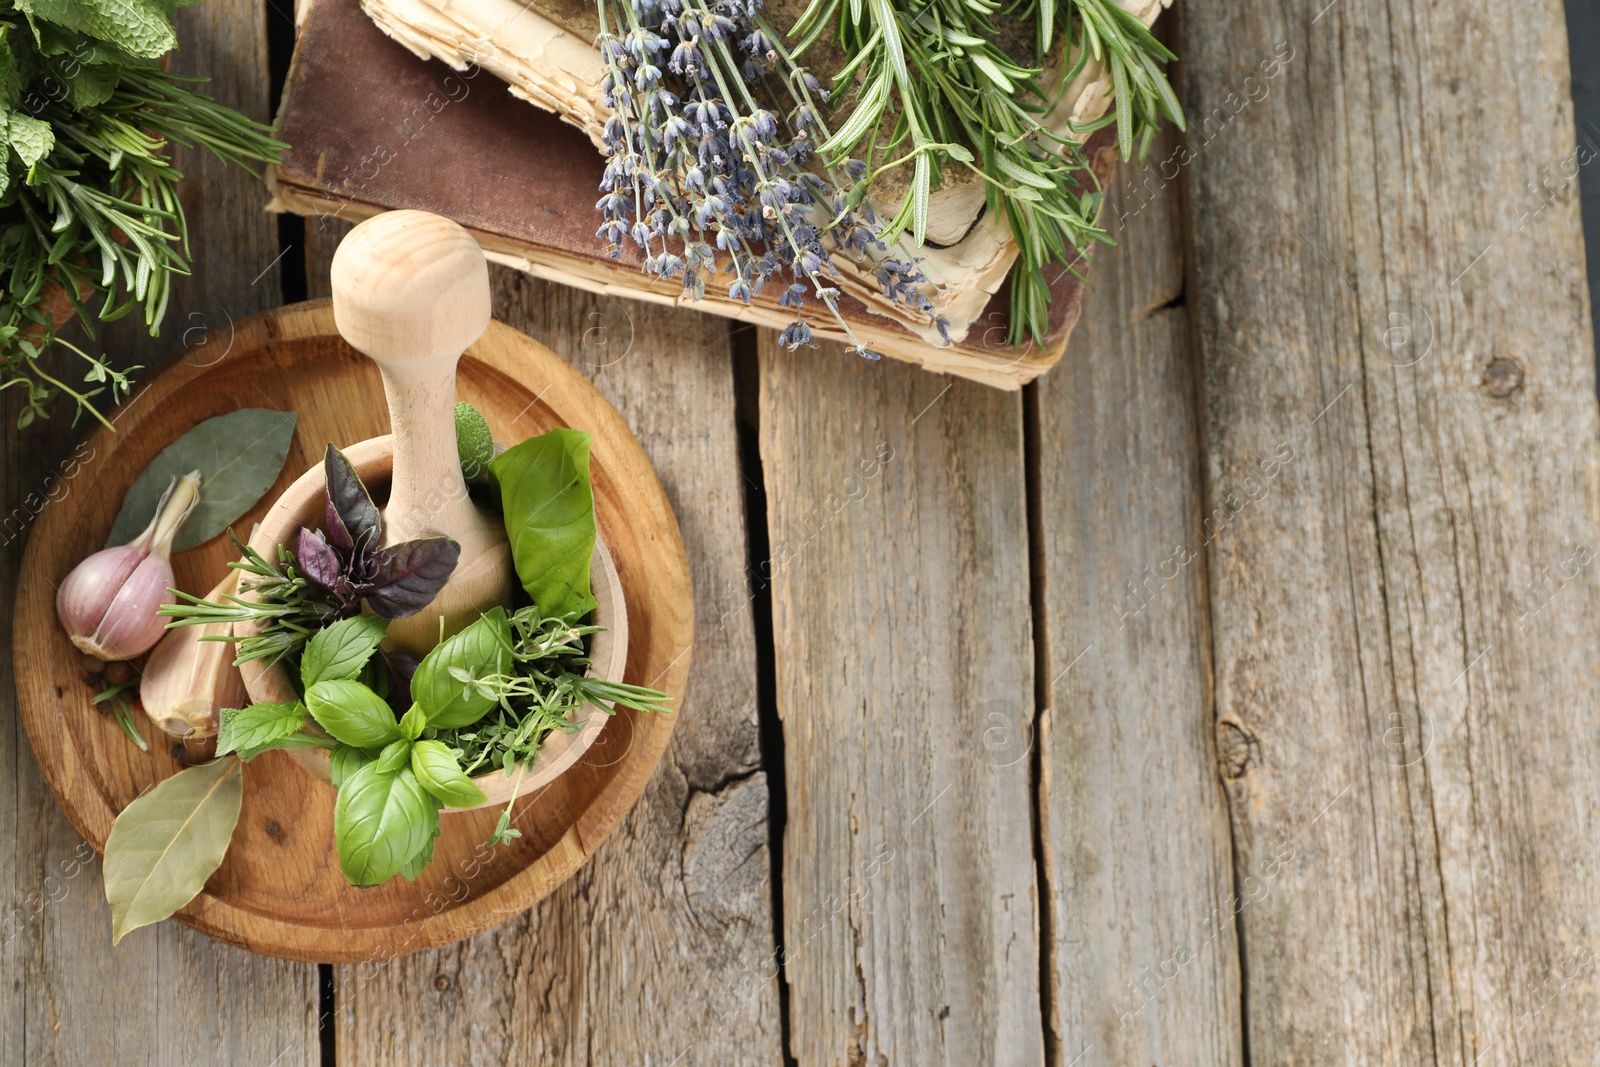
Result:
700,165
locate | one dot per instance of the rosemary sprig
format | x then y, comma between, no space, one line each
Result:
288,608
935,67
88,195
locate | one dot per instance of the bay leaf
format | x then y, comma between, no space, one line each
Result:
238,456
166,843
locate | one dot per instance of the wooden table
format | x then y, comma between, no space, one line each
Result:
1227,696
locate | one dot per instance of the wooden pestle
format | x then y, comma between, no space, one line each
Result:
411,291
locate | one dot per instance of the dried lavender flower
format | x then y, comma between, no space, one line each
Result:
697,166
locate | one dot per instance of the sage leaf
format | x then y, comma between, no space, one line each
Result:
344,761
409,575
395,756
257,727
482,649
166,843
436,768
339,652
352,713
548,503
238,455
353,522
379,822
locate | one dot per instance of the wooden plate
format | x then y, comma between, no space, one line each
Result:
280,891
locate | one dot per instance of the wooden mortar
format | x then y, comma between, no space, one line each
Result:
411,291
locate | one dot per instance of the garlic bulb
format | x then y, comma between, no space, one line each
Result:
187,680
108,603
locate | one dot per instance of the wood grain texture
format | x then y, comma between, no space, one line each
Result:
167,995
660,949
1145,959
1405,615
899,572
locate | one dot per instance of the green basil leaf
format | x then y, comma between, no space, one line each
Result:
548,503
166,843
344,761
352,713
413,866
238,455
394,756
339,652
380,821
258,727
436,768
413,722
482,649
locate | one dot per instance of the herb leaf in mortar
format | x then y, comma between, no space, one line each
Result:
381,821
339,652
352,713
395,581
238,456
443,683
548,502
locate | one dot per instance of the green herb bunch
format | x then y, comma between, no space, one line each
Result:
958,99
394,775
88,194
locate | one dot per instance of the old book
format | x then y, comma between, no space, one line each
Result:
373,127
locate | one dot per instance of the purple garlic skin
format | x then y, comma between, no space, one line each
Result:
108,603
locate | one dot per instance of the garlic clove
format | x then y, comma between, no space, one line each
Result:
188,680
108,603
130,625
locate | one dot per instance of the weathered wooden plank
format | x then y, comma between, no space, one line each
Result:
1145,960
1391,314
660,950
166,995
899,569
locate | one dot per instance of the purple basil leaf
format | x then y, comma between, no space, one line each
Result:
354,508
401,668
338,536
317,559
409,575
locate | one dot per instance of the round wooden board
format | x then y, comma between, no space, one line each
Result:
280,891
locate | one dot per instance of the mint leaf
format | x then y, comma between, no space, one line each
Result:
548,504
380,822
338,652
436,768
258,727
139,27
482,649
352,713
31,138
